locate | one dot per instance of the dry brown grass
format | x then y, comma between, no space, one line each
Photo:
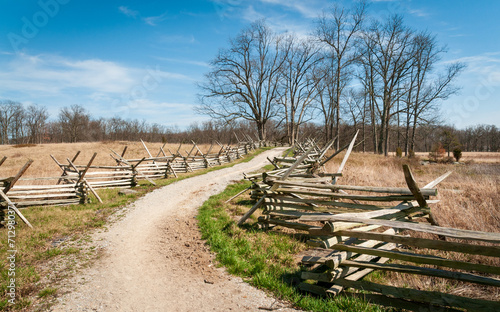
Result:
476,157
469,200
44,166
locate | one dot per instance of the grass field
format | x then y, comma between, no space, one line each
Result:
58,244
44,166
475,157
470,199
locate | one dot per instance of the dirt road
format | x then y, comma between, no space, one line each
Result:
154,258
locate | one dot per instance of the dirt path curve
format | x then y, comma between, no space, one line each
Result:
154,259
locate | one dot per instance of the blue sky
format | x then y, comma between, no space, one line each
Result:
142,59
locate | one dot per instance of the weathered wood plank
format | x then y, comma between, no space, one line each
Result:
410,269
387,198
292,168
373,189
420,227
401,304
17,176
492,251
434,183
424,296
418,258
252,210
412,185
346,156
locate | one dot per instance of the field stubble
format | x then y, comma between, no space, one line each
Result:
469,200
44,166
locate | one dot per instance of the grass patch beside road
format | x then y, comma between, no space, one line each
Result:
264,259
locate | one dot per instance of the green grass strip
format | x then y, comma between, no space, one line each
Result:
264,259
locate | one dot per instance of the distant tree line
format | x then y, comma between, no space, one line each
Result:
20,124
380,76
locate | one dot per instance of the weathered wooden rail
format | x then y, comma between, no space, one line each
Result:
77,181
358,229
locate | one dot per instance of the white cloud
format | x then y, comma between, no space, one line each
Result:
484,66
181,61
307,8
418,12
35,76
251,15
154,20
53,74
128,12
149,20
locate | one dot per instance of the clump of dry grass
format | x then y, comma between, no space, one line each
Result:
23,145
469,200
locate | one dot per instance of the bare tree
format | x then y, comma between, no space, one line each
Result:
388,54
298,83
426,89
338,30
244,80
36,120
10,112
74,121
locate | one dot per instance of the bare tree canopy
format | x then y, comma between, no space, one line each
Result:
74,120
11,115
245,78
298,84
338,30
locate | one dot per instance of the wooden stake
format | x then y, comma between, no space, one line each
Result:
11,204
252,210
3,160
146,148
17,176
75,157
230,199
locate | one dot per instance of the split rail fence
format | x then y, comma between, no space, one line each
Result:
358,229
77,181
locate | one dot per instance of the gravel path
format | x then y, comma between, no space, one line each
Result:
155,260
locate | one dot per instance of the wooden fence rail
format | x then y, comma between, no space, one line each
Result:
77,181
358,229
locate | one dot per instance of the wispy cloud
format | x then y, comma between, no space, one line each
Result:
305,8
419,12
128,12
251,15
154,20
50,75
149,20
481,69
181,61
177,39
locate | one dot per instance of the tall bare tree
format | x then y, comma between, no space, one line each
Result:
426,87
36,120
388,54
298,83
338,29
10,112
74,121
244,79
